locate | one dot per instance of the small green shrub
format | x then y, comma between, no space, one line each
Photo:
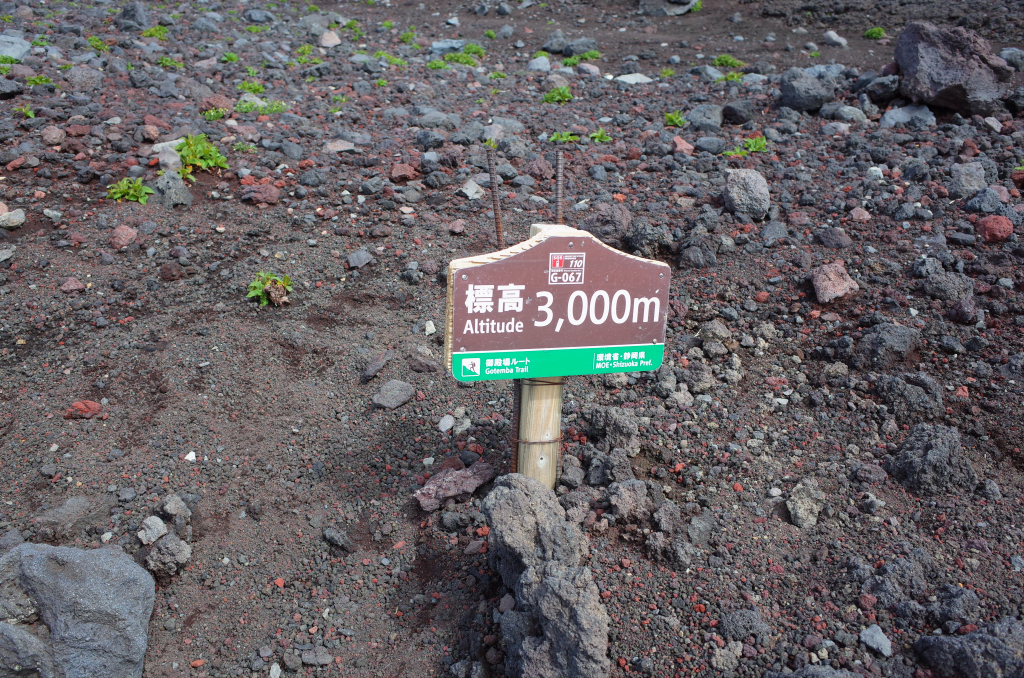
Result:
158,32
268,287
490,35
474,49
437,65
600,136
256,29
97,44
131,190
4,59
305,50
244,147
408,36
875,33
667,73
25,110
559,95
229,58
7,18
563,137
168,62
381,82
4,70
540,53
815,55
698,7
496,75
740,152
727,61
251,86
251,71
215,114
388,25
675,119
460,58
197,152
37,80
266,109
755,145
731,76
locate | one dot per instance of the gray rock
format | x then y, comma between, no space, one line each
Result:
458,484
21,653
8,88
994,651
803,92
394,394
629,501
1013,56
805,503
609,468
579,46
620,428
739,112
814,671
885,344
850,114
952,68
167,556
318,656
134,17
705,118
10,539
338,538
95,603
672,548
914,117
701,528
712,145
83,78
372,186
541,64
441,47
834,238
645,239
14,47
955,603
986,201
556,42
573,624
706,73
966,179
152,529
740,624
875,639
359,258
698,377
948,286
931,461
746,191
912,396
71,517
609,223
170,190
259,16
528,528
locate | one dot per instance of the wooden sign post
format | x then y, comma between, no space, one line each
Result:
561,303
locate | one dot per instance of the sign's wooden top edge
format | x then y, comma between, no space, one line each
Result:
543,232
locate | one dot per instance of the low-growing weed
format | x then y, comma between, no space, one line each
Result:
129,189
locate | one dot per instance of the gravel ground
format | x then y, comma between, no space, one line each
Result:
793,451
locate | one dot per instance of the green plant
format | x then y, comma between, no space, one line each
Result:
4,70
25,110
7,18
558,95
698,7
540,53
755,145
251,86
261,109
256,29
388,25
460,58
490,35
731,76
341,99
229,57
312,8
37,80
215,114
727,61
407,37
244,147
474,49
875,33
741,152
675,119
563,137
494,90
589,55
437,65
496,75
131,190
40,42
196,152
168,62
395,61
381,82
600,136
251,71
97,44
667,73
491,143
814,55
268,287
4,59
158,32
305,50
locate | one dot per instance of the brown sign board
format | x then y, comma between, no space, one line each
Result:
557,304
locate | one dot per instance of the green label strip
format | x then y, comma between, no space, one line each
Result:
559,362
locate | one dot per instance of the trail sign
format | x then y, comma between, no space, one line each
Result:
560,303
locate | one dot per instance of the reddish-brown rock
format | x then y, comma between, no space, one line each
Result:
860,214
83,409
402,172
216,101
681,145
266,193
122,236
72,285
452,483
994,228
831,281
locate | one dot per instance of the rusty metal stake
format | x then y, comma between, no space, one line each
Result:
559,187
495,199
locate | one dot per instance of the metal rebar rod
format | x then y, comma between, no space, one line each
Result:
559,186
495,199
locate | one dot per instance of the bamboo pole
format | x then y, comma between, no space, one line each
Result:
540,429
